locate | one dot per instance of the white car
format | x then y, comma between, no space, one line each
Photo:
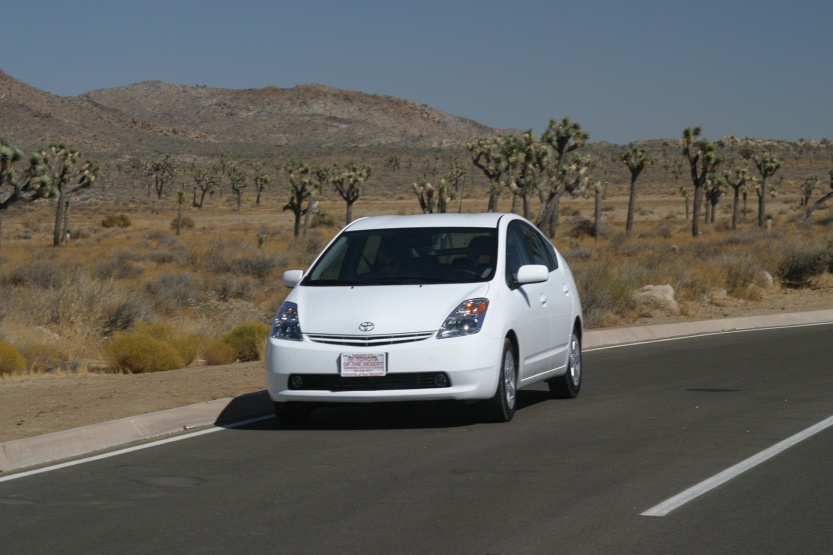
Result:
467,307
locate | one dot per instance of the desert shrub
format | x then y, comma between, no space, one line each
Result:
221,256
217,351
747,240
800,262
323,219
692,279
583,228
603,292
49,272
11,361
138,353
83,307
248,340
116,220
256,266
579,253
123,315
186,344
185,223
166,257
41,356
166,240
120,267
742,271
170,291
227,288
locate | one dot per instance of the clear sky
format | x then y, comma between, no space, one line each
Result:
626,70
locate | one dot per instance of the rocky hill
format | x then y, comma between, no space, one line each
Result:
156,116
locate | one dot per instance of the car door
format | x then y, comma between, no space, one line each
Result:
529,308
559,304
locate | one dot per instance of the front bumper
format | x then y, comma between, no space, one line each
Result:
470,363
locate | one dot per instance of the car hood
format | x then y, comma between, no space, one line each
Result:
390,309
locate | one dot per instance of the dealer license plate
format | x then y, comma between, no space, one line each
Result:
363,365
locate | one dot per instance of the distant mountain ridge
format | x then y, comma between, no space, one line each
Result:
158,116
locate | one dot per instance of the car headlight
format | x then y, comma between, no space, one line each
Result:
286,324
466,319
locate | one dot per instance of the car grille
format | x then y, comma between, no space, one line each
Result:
334,382
370,340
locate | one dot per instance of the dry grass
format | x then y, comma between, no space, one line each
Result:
59,306
722,265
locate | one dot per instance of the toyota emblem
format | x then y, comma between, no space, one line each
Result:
366,326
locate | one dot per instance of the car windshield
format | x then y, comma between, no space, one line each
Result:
407,256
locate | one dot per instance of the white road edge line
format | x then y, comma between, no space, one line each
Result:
132,449
718,479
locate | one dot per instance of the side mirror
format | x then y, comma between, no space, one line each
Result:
532,273
291,278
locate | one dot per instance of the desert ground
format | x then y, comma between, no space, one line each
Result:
43,402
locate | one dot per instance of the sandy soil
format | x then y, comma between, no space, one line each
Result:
46,404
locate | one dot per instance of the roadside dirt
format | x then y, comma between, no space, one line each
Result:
46,404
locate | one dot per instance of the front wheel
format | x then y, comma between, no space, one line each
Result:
568,385
501,407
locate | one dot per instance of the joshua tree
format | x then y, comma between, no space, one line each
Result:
65,229
767,165
425,195
392,163
715,187
237,181
445,194
261,180
349,182
528,160
636,159
206,179
55,168
738,185
807,189
162,173
822,200
304,183
490,155
563,137
597,188
703,160
451,182
11,183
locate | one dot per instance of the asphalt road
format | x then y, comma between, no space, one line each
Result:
572,476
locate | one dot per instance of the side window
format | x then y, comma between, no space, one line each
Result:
515,253
539,251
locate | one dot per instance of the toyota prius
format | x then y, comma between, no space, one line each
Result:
467,307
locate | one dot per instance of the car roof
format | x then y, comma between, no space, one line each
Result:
486,219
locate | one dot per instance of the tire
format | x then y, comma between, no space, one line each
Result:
501,407
568,385
292,414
